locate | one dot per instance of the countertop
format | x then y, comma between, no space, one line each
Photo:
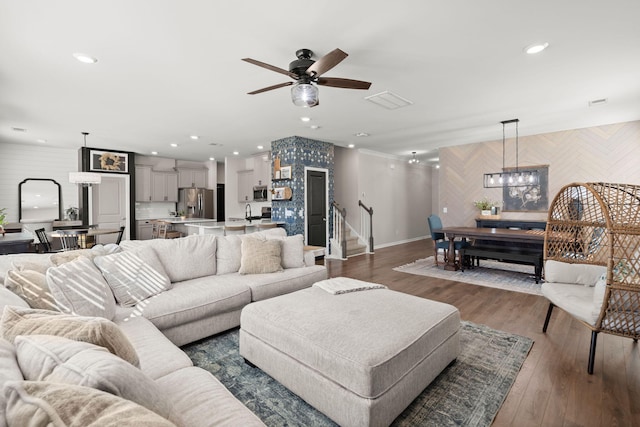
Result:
218,225
178,220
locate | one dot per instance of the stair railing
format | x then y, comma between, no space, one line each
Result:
339,231
366,224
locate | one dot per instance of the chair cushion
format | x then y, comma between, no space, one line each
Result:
575,299
564,272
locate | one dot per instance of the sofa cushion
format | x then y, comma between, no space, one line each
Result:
31,286
14,262
260,256
265,286
9,371
195,299
134,275
36,404
292,250
29,321
40,267
564,272
177,255
57,359
158,356
205,402
228,254
79,288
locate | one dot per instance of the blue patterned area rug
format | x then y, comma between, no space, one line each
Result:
492,274
467,393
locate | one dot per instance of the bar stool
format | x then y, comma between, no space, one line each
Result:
162,230
234,229
265,225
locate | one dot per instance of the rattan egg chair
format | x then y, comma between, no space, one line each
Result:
599,224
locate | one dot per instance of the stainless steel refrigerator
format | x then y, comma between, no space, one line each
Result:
196,202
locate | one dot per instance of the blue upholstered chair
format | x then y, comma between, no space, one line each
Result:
439,240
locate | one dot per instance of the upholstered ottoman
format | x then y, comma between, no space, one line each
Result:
360,357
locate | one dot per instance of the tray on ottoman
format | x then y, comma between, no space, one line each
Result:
360,358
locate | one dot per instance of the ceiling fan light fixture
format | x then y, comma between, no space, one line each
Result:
304,95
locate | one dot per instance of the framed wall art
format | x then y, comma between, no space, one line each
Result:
528,198
108,161
285,172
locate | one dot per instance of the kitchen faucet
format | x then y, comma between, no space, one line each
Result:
248,217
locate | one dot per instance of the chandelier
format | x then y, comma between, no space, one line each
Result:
514,178
85,178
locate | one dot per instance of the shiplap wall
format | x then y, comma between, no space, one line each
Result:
35,161
608,153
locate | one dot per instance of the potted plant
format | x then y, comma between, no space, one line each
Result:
486,206
72,213
3,216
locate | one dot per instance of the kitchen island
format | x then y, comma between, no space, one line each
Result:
218,227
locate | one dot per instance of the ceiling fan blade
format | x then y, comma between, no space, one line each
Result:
264,89
270,67
343,83
326,63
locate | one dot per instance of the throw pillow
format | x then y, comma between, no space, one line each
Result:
63,257
57,359
96,330
292,250
32,287
134,275
40,267
9,371
260,256
228,254
79,288
40,404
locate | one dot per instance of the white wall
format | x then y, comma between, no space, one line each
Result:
35,161
400,194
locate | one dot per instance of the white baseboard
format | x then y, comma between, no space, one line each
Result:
400,242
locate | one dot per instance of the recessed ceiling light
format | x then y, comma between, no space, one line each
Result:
260,147
235,153
41,140
536,48
362,134
305,119
194,137
437,166
212,158
155,153
351,145
314,127
87,59
174,145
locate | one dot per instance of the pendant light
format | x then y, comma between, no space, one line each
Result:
516,178
413,160
85,178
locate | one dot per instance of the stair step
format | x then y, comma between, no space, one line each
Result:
355,250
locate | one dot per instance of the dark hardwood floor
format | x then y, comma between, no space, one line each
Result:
553,387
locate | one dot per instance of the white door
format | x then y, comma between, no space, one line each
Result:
109,205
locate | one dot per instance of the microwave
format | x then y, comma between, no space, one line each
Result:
260,193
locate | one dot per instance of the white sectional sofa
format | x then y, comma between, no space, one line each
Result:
158,295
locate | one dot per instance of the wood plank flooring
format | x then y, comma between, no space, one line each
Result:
553,387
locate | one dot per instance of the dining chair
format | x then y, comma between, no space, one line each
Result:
162,230
439,240
45,244
120,233
73,239
265,225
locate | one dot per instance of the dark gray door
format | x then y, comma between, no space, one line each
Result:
316,208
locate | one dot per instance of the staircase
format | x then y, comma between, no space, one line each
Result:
353,245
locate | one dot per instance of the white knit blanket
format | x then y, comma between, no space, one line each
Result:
343,285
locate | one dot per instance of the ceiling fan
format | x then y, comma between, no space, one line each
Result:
305,71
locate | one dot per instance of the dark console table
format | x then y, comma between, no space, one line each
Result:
15,243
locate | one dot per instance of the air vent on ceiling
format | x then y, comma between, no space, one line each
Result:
19,129
215,144
596,102
388,100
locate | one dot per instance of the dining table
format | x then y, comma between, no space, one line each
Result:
488,234
86,236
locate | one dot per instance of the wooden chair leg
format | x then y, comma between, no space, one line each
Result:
435,252
592,351
546,320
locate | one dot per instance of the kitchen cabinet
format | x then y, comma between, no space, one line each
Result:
143,183
261,169
144,229
192,178
245,186
164,186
